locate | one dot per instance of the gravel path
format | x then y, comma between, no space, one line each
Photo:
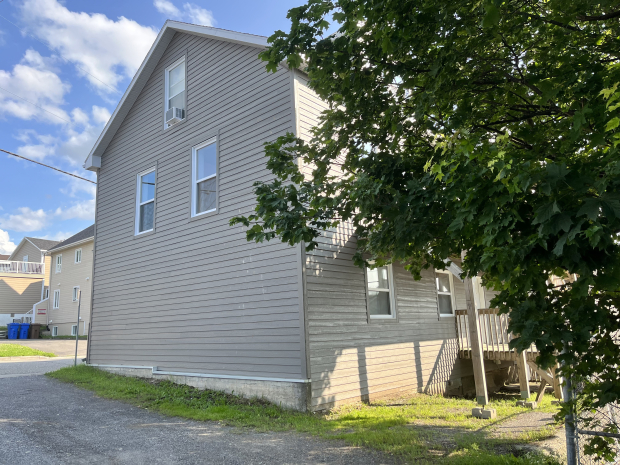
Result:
44,421
532,421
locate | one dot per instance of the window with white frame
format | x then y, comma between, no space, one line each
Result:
78,256
145,202
445,297
204,178
47,293
54,330
25,258
58,263
74,330
56,303
175,86
76,293
380,292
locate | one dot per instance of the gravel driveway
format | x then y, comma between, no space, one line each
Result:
44,421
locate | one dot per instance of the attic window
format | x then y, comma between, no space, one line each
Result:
175,93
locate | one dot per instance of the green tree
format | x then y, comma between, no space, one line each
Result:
485,126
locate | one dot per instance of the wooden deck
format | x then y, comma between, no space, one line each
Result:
494,336
494,341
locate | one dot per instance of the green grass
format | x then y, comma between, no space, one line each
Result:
64,337
15,350
417,429
3,328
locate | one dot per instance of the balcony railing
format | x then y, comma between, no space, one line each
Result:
21,267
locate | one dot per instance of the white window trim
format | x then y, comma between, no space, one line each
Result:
76,330
56,302
166,96
391,292
25,258
58,268
195,182
54,331
75,295
76,256
451,293
47,293
139,204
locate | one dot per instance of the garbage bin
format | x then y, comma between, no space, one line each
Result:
35,331
13,330
23,330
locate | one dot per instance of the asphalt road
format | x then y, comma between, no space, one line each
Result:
44,421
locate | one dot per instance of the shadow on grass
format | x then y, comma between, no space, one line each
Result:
426,429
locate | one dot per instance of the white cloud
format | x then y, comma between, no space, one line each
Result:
6,246
28,220
84,210
191,12
25,220
109,50
74,142
59,236
34,79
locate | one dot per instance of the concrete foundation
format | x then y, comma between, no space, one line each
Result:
286,394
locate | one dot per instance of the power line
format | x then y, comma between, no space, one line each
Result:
60,54
47,166
32,103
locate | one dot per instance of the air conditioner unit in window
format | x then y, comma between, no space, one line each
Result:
174,115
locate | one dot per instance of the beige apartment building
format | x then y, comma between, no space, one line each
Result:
70,275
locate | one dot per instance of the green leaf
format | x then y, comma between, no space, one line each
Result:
544,213
590,208
612,124
491,18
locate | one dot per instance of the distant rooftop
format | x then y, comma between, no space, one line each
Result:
84,234
4,257
43,244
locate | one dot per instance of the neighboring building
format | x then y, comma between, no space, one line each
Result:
178,293
4,257
23,279
69,274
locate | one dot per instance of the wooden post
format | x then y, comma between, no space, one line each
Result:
477,356
524,381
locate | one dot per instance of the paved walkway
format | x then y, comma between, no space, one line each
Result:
44,421
60,347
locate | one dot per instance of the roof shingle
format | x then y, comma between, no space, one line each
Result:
84,234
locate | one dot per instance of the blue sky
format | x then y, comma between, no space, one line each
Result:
72,60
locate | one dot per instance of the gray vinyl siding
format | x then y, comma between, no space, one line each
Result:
351,358
195,296
27,248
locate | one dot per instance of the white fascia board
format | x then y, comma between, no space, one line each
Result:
93,161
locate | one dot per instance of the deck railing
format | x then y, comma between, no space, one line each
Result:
7,266
494,335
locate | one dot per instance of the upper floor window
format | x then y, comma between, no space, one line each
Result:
175,93
56,303
380,292
445,296
25,258
78,256
76,294
204,178
145,202
58,263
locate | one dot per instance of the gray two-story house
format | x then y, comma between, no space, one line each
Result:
179,294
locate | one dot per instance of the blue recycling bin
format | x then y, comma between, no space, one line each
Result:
23,330
12,330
